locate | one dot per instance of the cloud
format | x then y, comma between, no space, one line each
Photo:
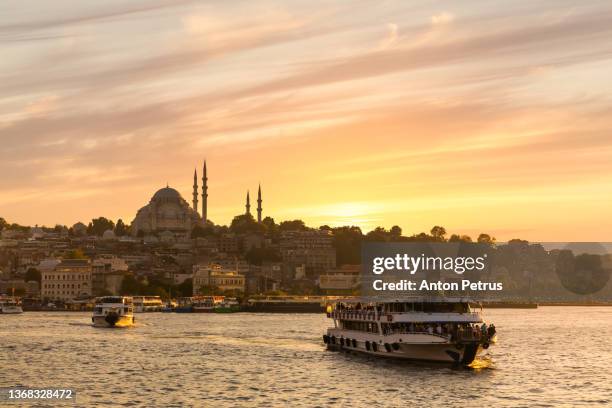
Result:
348,105
391,38
102,14
442,18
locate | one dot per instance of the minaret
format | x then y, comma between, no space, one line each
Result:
204,194
248,204
195,190
259,209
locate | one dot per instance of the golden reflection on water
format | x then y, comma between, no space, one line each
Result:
482,362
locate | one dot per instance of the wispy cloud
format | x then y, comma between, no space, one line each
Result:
440,112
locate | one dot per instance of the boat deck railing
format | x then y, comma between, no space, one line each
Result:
371,315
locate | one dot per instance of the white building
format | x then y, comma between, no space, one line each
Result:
216,276
69,280
343,278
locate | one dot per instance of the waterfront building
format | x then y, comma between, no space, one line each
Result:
342,279
70,279
313,249
233,263
216,276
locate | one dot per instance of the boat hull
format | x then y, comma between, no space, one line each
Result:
423,347
203,309
121,321
230,309
11,310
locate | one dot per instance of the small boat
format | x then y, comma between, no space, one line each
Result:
113,311
448,330
10,305
227,305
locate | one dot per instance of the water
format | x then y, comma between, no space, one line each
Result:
551,356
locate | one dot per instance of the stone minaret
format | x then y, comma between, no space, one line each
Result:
204,194
259,209
248,203
195,190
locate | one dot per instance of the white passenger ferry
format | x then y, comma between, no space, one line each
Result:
147,304
10,305
446,330
206,304
113,311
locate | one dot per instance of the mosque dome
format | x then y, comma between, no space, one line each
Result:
166,211
166,193
108,235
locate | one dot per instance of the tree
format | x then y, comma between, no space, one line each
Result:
97,226
486,239
130,286
3,224
270,225
460,238
378,234
293,225
199,231
120,229
185,288
32,274
396,231
347,242
438,233
245,223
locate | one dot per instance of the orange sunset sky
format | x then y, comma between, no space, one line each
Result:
481,116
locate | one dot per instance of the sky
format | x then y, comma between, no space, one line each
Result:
480,116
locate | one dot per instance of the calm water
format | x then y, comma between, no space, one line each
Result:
547,357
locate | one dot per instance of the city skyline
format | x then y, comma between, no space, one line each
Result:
478,118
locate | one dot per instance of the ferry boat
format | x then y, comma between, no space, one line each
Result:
147,304
206,304
113,311
10,305
448,330
183,305
169,306
227,305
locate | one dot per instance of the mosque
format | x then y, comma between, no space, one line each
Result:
168,211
